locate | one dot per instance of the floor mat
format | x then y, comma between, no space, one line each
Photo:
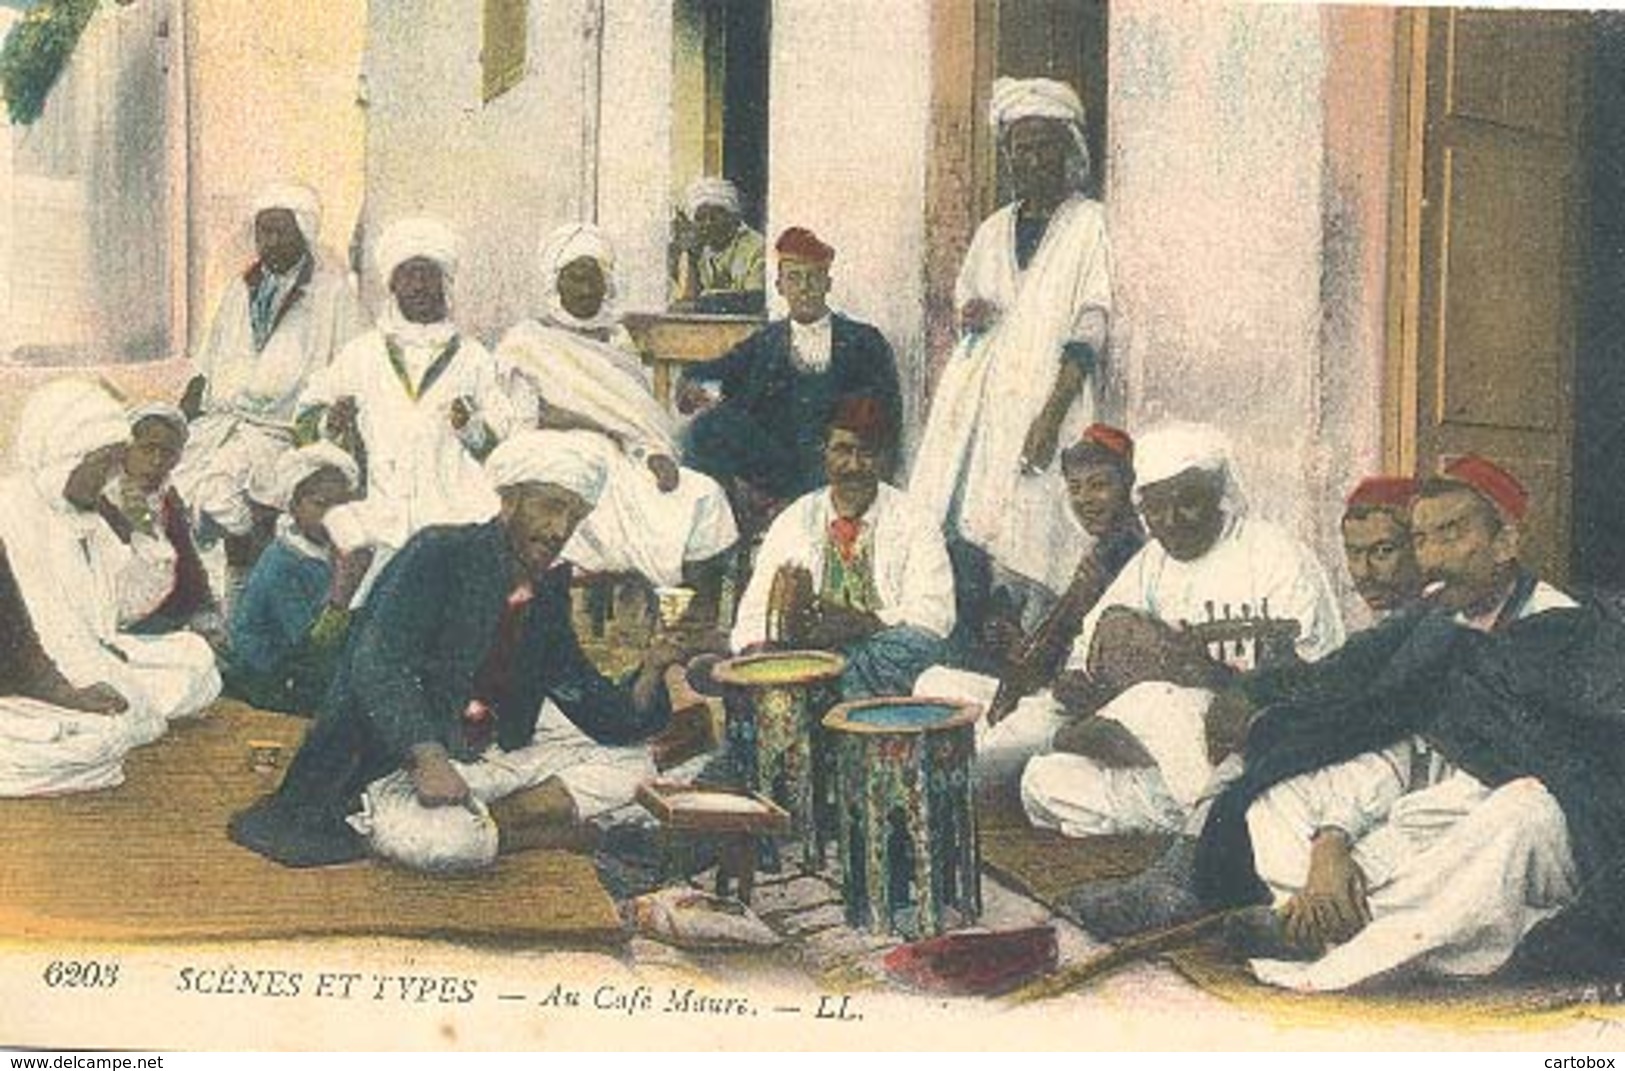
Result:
150,860
1045,865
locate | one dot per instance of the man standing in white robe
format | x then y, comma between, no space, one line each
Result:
1206,555
1035,300
275,328
103,691
421,403
576,367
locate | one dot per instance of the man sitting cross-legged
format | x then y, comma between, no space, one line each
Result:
854,568
463,685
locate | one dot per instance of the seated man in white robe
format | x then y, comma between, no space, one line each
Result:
417,401
575,367
275,328
718,262
854,568
1442,846
165,586
76,691
1146,757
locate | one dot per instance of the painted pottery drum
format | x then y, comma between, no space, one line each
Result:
776,702
904,808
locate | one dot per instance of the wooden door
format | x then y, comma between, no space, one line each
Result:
1497,246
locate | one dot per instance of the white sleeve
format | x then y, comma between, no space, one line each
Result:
1297,588
778,549
927,597
1354,796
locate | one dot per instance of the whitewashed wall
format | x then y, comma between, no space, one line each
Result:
274,88
849,116
1249,252
504,173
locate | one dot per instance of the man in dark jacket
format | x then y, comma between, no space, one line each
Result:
1448,787
464,637
778,388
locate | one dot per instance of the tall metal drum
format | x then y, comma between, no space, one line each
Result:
904,807
775,704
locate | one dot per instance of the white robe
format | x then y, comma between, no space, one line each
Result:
67,565
252,398
1457,873
420,470
912,577
968,468
636,527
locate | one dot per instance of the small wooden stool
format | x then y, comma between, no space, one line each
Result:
736,818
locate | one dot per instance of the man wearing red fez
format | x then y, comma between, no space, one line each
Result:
1099,472
1446,790
768,401
1377,542
854,567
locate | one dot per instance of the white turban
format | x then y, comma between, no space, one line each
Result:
169,414
1041,98
64,422
274,484
707,190
408,239
573,460
570,243
300,200
1168,450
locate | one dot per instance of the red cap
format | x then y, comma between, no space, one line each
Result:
1113,440
1394,492
1492,481
863,416
799,243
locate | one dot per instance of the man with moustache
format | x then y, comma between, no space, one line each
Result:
463,685
764,438
854,568
1377,544
1449,786
1142,736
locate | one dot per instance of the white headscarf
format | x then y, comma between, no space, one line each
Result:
64,422
573,460
274,485
1041,98
65,561
569,243
169,414
424,237
1177,447
708,190
300,200
409,239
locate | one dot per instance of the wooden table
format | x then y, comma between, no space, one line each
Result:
670,340
673,804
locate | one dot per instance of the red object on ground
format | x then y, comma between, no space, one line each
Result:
975,963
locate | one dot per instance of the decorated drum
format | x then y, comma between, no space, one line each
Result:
776,702
904,808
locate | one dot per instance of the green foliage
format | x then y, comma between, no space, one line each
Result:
36,50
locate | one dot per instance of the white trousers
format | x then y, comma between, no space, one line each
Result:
1080,797
1002,749
224,456
1457,873
47,750
601,780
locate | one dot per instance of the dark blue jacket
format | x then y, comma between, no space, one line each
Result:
771,424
